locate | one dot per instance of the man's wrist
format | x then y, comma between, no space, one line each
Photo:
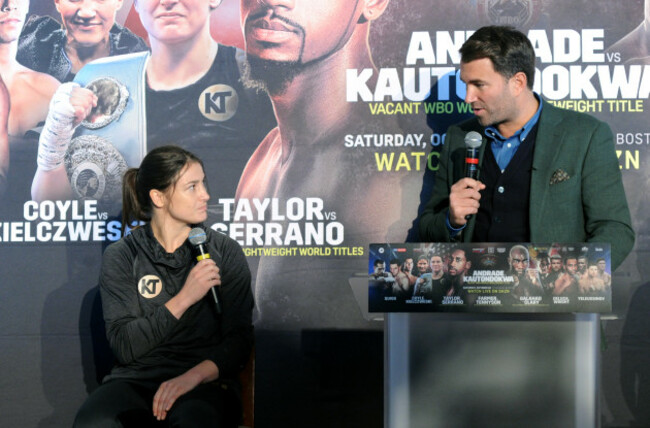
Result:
453,231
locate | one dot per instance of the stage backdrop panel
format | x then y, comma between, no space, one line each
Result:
353,160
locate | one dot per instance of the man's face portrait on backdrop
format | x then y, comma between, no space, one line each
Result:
297,31
556,264
572,265
12,19
518,260
458,265
423,265
544,264
282,38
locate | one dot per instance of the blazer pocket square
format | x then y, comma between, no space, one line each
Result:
559,176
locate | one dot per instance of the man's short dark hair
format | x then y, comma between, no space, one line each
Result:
509,50
395,262
570,256
379,262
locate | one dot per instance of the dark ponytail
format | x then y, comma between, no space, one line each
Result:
159,170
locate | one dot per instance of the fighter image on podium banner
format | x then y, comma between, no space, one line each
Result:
491,277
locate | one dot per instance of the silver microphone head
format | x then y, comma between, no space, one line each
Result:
473,140
197,236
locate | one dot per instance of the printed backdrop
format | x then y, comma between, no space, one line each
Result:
358,181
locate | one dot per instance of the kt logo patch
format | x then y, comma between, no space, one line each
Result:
149,286
218,102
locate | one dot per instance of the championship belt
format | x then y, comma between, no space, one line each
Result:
114,135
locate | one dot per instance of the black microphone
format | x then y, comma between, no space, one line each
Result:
473,141
197,238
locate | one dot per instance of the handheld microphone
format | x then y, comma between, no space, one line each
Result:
473,141
197,238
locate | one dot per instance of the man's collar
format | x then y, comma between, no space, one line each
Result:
492,132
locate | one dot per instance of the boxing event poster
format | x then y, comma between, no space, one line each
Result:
489,277
316,177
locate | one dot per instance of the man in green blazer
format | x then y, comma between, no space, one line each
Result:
545,174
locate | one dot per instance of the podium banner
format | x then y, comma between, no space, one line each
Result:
489,277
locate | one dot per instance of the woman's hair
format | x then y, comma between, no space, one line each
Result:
159,170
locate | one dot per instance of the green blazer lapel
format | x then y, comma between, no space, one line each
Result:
548,146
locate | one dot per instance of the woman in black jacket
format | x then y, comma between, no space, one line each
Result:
177,354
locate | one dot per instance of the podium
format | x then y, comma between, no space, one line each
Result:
491,370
